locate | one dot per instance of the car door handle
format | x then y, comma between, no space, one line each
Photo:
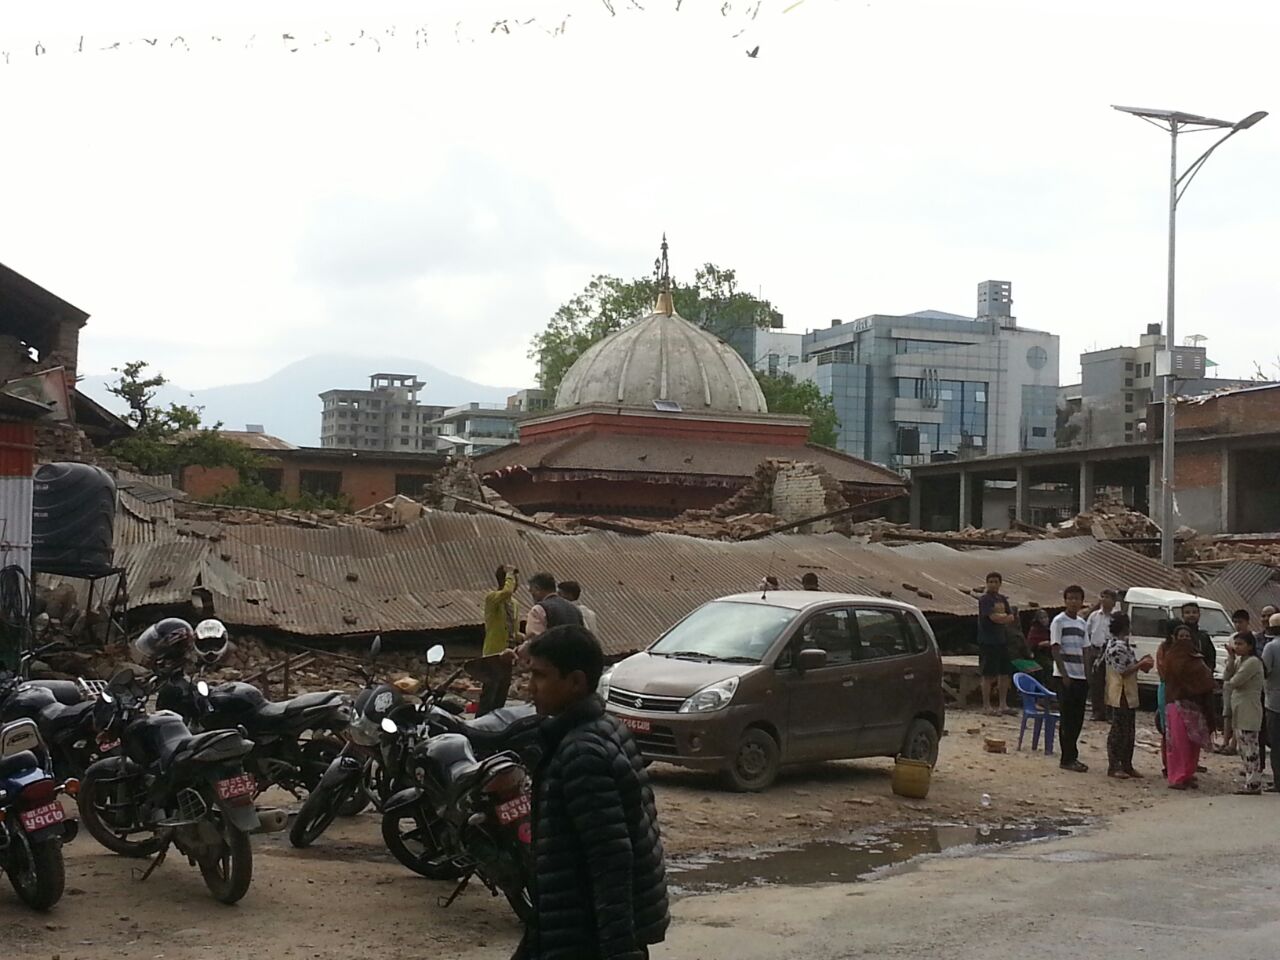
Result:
908,676
847,683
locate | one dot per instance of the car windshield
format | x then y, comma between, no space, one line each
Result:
726,631
1215,623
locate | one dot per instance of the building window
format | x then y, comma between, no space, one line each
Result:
411,484
405,428
1128,381
1128,365
404,441
320,483
1128,408
1146,369
404,415
1039,431
270,478
774,360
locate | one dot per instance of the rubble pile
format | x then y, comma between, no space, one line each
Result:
1209,550
1109,519
888,532
703,524
386,515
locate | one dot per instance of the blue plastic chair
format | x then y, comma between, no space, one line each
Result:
1045,717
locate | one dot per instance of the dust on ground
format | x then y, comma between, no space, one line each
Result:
346,894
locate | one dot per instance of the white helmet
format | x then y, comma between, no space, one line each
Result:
212,640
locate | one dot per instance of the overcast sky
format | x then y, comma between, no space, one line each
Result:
224,207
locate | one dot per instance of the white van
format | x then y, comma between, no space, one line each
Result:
1150,612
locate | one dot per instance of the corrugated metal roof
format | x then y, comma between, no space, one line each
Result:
1244,585
433,574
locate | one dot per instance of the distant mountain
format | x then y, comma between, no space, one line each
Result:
287,403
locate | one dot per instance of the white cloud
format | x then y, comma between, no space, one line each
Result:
227,210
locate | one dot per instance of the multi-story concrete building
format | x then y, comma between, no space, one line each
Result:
476,428
387,416
530,400
1109,406
933,385
768,351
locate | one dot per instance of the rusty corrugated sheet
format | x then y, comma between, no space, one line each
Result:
433,574
1244,585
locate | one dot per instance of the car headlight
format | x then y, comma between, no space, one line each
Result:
602,687
711,698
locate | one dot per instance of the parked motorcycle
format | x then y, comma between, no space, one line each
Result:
370,766
294,741
465,818
33,823
176,788
63,711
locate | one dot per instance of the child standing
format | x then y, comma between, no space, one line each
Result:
1242,681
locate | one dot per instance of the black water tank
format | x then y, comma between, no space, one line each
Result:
73,518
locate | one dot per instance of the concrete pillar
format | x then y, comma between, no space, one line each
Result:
1227,510
1153,489
966,499
916,507
1086,485
1022,494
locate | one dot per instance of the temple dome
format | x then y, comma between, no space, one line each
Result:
662,357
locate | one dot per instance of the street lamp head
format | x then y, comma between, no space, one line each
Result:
1251,119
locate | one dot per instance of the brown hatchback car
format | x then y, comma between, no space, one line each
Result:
747,683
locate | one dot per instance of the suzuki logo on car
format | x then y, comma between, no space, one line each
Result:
639,704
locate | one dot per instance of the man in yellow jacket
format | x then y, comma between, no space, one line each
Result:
501,625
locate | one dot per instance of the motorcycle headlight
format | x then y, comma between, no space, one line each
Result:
711,698
602,688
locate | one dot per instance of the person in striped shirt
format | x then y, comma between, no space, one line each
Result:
1068,635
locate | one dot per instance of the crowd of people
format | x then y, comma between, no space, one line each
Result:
1095,669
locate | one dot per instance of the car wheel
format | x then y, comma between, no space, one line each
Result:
755,763
921,742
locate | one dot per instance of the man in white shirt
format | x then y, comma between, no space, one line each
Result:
1098,630
1067,640
571,590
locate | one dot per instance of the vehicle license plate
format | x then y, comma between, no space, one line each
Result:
48,815
635,725
240,786
514,810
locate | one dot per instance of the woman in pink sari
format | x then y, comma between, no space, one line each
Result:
1189,713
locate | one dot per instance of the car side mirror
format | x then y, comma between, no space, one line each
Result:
435,654
811,659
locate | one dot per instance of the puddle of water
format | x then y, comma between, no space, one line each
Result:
859,856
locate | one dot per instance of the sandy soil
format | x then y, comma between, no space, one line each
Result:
346,893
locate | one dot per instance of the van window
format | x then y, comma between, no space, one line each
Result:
830,631
1147,621
1215,623
882,634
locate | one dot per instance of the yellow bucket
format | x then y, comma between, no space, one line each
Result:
911,778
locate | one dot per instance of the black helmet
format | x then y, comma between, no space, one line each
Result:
212,640
168,641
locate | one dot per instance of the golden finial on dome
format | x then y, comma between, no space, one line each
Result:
662,273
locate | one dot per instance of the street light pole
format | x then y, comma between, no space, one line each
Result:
1176,122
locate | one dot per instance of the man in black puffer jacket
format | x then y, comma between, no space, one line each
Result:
600,890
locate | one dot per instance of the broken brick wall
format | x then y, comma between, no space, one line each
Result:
806,490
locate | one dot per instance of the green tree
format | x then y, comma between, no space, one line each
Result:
607,304
785,394
166,439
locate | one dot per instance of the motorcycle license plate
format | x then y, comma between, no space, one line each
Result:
515,810
636,726
47,815
240,786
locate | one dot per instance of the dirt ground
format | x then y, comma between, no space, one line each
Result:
347,894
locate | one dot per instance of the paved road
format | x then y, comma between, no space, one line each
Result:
1200,879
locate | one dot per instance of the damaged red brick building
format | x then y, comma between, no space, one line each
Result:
658,418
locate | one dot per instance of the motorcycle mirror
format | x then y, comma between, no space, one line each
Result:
106,697
435,654
202,688
375,648
389,725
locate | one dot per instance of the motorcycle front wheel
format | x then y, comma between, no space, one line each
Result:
408,835
37,872
227,867
318,811
106,812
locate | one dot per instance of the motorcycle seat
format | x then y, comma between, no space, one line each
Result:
18,763
212,746
58,718
500,726
289,711
64,691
